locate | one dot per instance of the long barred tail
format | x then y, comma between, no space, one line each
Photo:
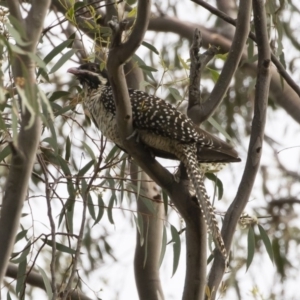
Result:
196,177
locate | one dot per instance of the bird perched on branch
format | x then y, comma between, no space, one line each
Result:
160,127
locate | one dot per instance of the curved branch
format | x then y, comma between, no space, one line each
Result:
276,62
255,146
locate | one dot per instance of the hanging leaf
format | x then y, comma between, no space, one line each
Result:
139,222
21,277
110,207
175,93
46,283
163,246
60,247
5,152
251,246
150,47
62,60
176,248
101,207
23,255
266,242
91,207
218,182
86,168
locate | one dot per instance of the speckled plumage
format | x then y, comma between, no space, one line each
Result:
162,128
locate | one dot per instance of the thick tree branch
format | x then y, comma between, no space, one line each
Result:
205,110
23,153
255,146
36,280
146,274
147,253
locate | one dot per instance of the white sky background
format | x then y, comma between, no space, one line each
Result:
122,235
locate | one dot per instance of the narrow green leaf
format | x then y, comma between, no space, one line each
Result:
63,110
148,68
21,276
57,50
62,60
122,175
91,207
218,182
19,27
68,149
282,59
251,246
110,207
5,152
279,257
150,205
214,74
215,124
58,94
60,247
8,297
176,248
16,35
139,181
183,63
17,49
47,104
23,255
101,207
70,210
39,62
146,242
140,227
86,168
150,47
250,49
266,242
222,56
113,153
89,150
132,13
46,283
163,246
14,123
26,103
21,235
140,63
64,166
175,93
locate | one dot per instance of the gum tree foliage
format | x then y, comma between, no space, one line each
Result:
66,189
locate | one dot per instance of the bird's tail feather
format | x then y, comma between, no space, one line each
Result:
196,177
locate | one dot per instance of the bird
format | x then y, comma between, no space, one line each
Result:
160,127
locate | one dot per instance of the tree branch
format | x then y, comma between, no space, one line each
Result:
255,146
205,110
24,152
36,280
280,68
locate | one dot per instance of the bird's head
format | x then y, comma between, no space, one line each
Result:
90,75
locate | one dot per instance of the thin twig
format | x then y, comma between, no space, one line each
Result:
52,225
